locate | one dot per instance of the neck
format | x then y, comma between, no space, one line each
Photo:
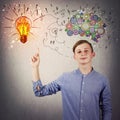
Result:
85,69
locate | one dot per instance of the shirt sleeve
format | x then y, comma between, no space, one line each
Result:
106,102
48,89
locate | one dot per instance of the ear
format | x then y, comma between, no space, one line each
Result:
93,54
74,56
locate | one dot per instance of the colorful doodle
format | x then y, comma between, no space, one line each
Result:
86,24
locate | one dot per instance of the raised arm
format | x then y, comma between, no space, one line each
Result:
35,67
38,88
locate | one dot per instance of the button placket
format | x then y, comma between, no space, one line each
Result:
82,97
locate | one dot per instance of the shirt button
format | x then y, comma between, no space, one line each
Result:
82,91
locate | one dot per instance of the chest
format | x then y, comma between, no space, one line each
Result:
75,86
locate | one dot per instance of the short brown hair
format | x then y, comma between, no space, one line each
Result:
81,42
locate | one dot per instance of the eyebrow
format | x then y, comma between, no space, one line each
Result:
84,48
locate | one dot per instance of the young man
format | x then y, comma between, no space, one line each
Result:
84,91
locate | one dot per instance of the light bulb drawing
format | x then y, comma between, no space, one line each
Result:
22,20
23,26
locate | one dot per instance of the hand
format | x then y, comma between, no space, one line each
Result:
35,60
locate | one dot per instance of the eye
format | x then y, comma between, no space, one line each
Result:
78,51
86,51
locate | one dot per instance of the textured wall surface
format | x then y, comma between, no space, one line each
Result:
17,101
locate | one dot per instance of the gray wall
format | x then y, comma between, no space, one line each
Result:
17,101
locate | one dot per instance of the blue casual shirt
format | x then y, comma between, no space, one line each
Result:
82,95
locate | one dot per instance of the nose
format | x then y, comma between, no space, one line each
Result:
82,53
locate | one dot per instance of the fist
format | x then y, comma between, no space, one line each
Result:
35,60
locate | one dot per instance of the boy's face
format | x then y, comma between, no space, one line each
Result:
83,54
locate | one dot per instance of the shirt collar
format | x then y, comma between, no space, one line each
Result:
85,75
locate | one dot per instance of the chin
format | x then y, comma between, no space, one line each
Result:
83,62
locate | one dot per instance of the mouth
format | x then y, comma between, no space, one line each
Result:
83,58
